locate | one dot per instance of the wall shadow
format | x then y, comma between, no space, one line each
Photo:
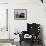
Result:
41,35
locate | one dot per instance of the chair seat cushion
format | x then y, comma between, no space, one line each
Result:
27,36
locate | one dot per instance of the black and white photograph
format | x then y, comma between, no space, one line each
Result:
20,14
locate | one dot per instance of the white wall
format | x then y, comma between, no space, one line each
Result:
35,13
3,1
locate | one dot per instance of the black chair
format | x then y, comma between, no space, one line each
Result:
32,29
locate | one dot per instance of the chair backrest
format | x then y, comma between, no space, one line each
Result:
33,28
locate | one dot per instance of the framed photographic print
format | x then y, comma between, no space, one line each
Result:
20,14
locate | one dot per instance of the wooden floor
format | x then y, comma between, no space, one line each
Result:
6,40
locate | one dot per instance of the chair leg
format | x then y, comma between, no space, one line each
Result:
20,42
32,42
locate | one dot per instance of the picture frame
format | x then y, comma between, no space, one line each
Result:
20,14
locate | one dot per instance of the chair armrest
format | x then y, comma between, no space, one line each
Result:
24,32
22,35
